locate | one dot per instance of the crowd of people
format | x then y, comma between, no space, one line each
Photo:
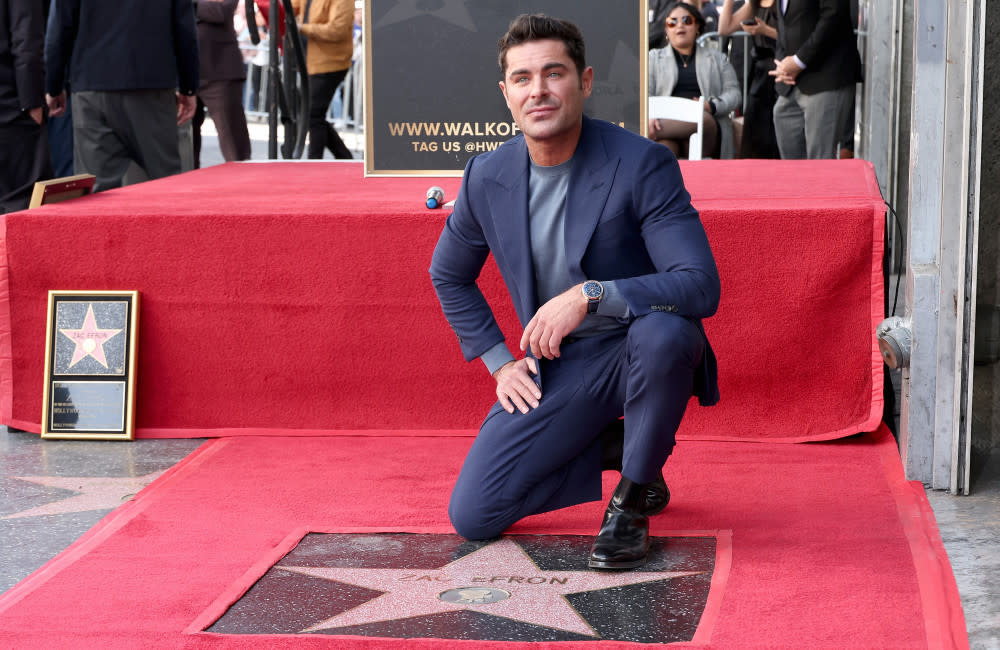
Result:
100,87
132,80
800,83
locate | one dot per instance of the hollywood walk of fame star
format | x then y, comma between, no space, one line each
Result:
452,11
96,493
536,596
89,339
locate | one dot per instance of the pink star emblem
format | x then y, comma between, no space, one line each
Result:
89,339
523,592
96,493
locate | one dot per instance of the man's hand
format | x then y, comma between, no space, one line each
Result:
553,321
36,114
786,70
185,107
515,387
57,104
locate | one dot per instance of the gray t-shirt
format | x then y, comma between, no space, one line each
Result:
548,188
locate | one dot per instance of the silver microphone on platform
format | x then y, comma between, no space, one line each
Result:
435,197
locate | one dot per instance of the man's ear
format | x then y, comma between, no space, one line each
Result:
503,89
587,81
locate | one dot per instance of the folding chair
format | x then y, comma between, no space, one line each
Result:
683,110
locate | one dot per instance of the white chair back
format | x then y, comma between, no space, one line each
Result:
683,110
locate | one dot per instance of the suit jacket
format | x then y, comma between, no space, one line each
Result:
111,45
218,49
821,34
22,68
628,219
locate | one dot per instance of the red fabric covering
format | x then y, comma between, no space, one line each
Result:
830,546
294,298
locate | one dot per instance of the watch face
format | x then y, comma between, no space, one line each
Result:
592,289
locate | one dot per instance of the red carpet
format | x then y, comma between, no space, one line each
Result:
830,546
275,296
313,316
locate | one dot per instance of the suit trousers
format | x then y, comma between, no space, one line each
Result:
111,129
811,126
224,101
527,463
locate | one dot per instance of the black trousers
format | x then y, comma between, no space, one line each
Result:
322,135
24,161
224,101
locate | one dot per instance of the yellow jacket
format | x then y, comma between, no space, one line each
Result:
329,32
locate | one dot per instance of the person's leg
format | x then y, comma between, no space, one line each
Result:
97,147
61,140
549,458
789,126
148,120
663,352
321,89
224,102
825,114
25,161
333,141
709,135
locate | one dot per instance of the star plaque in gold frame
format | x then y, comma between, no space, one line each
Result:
90,345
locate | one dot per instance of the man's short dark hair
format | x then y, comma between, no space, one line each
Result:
537,27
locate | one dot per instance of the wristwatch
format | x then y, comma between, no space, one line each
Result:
593,291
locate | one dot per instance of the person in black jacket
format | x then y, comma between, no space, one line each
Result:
23,141
817,67
133,68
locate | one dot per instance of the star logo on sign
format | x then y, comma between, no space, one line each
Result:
89,339
452,11
523,593
96,493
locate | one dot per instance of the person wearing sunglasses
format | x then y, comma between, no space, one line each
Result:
682,69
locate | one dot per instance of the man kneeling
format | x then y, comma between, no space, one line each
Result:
610,272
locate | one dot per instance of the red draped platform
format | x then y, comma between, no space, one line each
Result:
294,299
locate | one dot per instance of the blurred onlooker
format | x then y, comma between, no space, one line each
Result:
222,75
683,69
658,10
327,26
657,14
23,140
133,68
817,66
711,15
760,19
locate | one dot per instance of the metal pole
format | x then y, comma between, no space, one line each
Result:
274,28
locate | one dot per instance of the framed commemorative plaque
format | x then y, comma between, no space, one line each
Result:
90,345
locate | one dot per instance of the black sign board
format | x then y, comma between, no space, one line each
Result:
431,95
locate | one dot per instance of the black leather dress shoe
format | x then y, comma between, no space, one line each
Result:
613,444
623,540
657,497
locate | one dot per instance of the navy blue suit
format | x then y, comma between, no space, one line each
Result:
628,219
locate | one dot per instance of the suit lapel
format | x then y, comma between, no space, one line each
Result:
508,199
589,186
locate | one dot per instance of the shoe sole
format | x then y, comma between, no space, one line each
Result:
630,564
